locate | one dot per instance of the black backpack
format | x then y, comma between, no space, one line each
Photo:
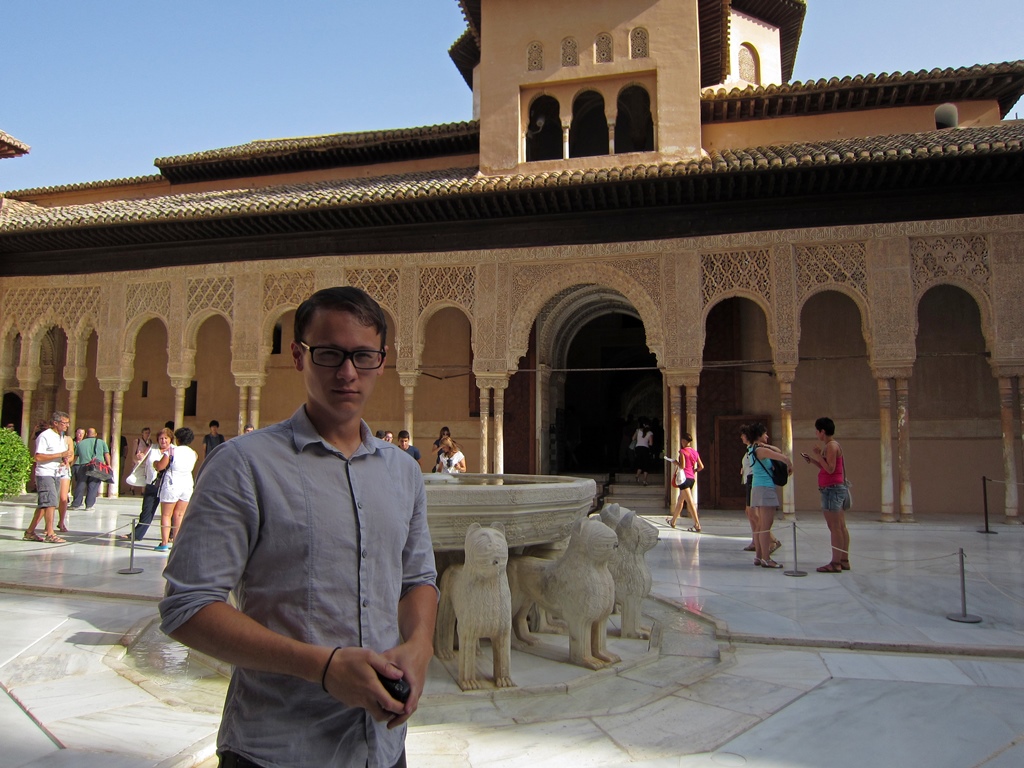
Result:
779,471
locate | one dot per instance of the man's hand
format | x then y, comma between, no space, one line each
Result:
411,659
351,678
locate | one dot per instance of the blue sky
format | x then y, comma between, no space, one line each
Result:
101,89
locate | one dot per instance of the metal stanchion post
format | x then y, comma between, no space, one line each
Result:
796,565
984,498
131,569
963,617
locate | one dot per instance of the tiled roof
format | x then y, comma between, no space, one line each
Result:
11,147
127,182
313,152
1002,82
835,167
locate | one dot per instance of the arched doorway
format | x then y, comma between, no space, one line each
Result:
604,377
11,412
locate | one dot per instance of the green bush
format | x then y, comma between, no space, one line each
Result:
15,462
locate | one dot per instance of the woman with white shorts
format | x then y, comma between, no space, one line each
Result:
176,488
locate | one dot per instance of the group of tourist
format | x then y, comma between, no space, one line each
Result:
762,493
60,463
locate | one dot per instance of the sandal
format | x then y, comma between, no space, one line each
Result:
62,528
693,529
750,548
32,536
769,563
757,562
670,522
844,564
775,545
53,538
831,568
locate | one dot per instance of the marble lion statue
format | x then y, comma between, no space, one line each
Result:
629,566
475,597
577,587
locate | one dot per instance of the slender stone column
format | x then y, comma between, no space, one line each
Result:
675,407
243,407
1006,403
409,380
108,412
116,418
785,378
611,137
565,141
543,417
885,446
499,429
691,424
26,418
180,385
255,390
28,381
74,387
485,417
903,449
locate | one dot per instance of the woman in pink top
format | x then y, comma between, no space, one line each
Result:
690,461
832,485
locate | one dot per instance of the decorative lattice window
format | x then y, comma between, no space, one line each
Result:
750,68
570,52
639,44
535,57
603,48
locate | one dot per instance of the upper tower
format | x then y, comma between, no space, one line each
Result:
557,85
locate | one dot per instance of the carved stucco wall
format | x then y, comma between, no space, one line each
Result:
671,285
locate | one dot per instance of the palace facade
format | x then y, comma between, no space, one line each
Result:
645,218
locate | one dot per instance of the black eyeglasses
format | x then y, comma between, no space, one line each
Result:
332,357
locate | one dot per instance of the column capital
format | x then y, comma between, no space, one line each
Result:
28,376
681,377
892,370
409,378
492,381
785,373
1006,368
179,383
115,385
248,380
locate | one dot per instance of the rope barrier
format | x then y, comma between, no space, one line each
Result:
52,547
997,588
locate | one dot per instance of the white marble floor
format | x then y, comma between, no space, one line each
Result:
750,667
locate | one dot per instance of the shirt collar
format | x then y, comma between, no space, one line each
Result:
305,434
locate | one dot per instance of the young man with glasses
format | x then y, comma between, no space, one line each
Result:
321,531
51,451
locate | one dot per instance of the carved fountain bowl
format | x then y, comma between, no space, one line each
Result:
535,509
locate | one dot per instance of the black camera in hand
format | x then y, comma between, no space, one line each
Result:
399,690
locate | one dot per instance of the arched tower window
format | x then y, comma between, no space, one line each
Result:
634,127
639,44
570,52
750,64
603,48
544,131
535,57
947,116
588,134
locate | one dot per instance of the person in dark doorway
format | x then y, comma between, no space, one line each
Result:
644,438
213,439
322,532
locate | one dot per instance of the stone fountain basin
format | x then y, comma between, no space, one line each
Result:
535,509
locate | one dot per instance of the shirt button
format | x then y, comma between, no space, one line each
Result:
365,603
364,553
359,505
